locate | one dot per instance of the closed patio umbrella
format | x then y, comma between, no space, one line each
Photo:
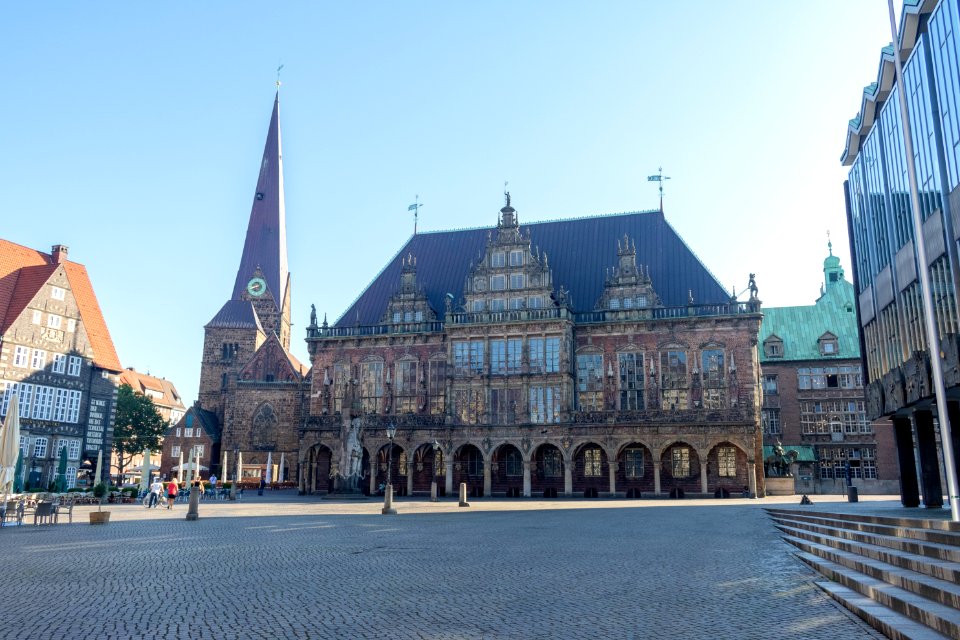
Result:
145,471
9,447
280,470
180,469
96,474
269,478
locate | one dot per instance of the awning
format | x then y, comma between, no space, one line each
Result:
799,452
188,466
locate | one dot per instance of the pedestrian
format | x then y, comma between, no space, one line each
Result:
172,491
263,483
213,481
155,490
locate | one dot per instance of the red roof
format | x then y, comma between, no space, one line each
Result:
23,271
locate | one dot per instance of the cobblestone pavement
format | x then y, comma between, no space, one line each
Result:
286,567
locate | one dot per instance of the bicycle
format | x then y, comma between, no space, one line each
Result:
161,501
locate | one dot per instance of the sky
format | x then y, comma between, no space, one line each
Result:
133,133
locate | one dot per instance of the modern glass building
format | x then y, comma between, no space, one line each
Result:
883,246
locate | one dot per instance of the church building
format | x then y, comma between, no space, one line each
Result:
585,357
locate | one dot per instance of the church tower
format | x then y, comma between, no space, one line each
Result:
260,302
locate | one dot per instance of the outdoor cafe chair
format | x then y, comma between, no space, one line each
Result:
13,512
44,512
64,508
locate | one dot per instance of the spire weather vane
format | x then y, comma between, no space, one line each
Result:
278,75
415,207
659,178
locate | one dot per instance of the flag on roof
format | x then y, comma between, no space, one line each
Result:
412,207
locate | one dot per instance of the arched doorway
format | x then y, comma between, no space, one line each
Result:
468,468
506,472
635,470
427,468
546,472
727,471
679,470
318,470
590,470
396,457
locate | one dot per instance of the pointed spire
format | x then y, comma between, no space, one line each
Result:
266,241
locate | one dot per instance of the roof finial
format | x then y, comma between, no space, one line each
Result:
278,77
659,178
829,243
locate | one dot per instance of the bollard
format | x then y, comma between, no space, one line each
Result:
193,512
463,495
388,501
433,491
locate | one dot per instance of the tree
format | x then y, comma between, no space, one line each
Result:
138,426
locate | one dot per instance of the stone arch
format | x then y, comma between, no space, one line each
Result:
391,461
547,470
427,467
264,423
679,468
635,469
468,467
506,470
317,469
727,470
590,467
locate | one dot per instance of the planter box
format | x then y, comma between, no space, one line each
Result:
99,517
780,486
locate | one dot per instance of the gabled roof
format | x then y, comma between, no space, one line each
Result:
197,417
578,251
141,382
24,271
236,314
265,246
800,328
272,350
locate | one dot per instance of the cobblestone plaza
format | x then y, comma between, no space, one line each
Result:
291,567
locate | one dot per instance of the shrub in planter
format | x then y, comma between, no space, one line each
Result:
99,516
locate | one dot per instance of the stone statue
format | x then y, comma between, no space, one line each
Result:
781,461
349,470
313,316
753,286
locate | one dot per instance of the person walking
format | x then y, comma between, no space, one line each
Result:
263,483
155,490
172,491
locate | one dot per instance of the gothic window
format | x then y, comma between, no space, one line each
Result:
371,386
673,379
714,396
592,462
341,377
590,381
513,462
405,376
680,458
631,381
633,462
544,404
468,405
505,404
727,462
551,463
265,424
473,462
437,386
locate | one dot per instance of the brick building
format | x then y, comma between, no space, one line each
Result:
814,401
57,356
578,357
165,397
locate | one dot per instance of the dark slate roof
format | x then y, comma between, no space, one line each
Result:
236,314
206,419
578,251
266,243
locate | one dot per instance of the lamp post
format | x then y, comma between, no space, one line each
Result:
433,479
236,474
388,491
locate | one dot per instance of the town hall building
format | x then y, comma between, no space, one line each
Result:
585,357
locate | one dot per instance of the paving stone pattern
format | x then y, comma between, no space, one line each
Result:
304,568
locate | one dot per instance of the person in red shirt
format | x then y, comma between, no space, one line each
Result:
172,491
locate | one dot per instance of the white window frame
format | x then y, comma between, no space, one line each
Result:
516,258
175,451
54,321
39,359
498,259
42,403
498,282
21,356
58,293
73,406
71,477
517,281
60,397
37,316
40,448
73,453
74,365
59,363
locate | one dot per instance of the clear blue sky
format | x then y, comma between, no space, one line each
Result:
132,132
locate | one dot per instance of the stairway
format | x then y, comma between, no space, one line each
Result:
901,575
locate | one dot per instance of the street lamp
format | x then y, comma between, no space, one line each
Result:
236,473
388,491
433,479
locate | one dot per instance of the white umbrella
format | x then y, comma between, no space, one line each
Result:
239,465
223,467
196,463
180,469
280,472
9,446
269,467
145,470
96,475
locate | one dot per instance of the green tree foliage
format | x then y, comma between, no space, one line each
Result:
138,425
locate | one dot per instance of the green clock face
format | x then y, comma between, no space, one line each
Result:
257,287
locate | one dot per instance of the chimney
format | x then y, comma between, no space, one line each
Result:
59,253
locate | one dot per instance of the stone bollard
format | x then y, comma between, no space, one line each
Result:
433,491
388,501
193,512
463,495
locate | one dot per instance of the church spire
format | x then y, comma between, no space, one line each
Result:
265,247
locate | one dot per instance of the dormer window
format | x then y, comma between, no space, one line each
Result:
614,303
628,303
498,259
516,258
641,301
828,345
516,281
773,347
396,316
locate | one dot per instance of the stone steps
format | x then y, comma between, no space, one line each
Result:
901,575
